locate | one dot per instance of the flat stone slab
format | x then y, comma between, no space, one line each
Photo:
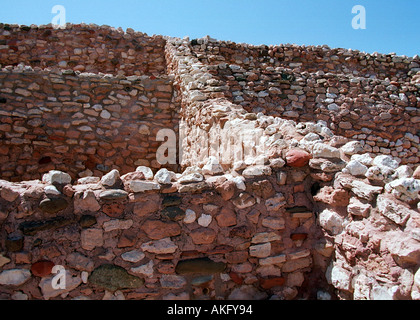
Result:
30,228
53,205
113,194
112,278
199,265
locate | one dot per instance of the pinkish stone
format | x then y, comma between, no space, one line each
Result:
297,158
334,197
157,229
226,218
203,235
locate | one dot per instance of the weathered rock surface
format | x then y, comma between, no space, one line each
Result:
112,278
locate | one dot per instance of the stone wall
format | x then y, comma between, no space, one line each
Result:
81,123
275,196
298,228
191,238
370,98
84,48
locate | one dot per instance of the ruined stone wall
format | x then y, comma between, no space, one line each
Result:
85,48
299,228
194,238
81,123
267,204
370,98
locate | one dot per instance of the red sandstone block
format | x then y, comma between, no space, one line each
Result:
203,235
269,283
42,268
226,217
236,278
298,236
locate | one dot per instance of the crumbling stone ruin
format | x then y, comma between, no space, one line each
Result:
296,172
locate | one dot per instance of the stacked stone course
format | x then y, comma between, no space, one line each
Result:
372,98
327,210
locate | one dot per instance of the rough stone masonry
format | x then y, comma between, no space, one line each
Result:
298,178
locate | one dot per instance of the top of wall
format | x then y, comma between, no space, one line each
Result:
306,58
81,47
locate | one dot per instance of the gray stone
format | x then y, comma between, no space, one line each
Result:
406,189
355,168
142,186
322,150
327,165
364,190
190,216
172,281
14,277
148,173
53,205
164,176
385,161
275,203
193,187
88,180
256,171
56,177
191,178
352,147
404,172
331,221
396,212
339,277
111,178
52,191
133,256
205,220
113,194
145,269
415,292
365,159
112,278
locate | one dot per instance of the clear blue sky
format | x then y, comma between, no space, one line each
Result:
391,25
